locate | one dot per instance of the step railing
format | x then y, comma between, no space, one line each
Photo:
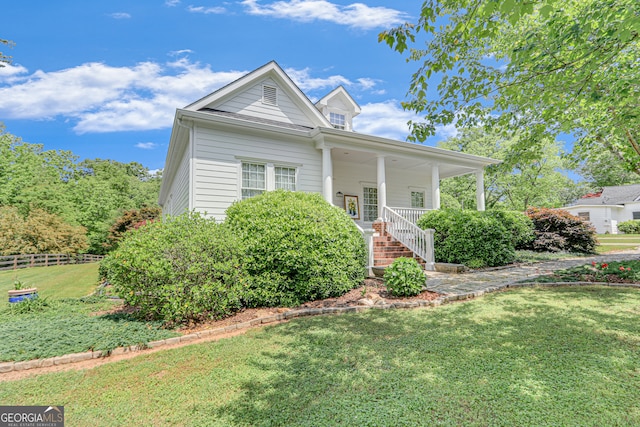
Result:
419,241
411,214
367,234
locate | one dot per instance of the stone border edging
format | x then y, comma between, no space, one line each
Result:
6,367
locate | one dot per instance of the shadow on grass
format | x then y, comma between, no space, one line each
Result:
532,357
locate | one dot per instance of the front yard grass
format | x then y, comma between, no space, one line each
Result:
617,242
534,357
59,322
61,281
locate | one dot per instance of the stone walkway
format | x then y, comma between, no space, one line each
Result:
495,279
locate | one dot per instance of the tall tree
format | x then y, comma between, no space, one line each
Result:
602,169
91,193
529,178
540,67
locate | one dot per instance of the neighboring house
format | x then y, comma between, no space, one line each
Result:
261,133
609,207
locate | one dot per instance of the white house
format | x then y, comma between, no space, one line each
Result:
261,133
609,207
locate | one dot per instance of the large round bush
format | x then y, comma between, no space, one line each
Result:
299,248
559,230
475,239
181,269
518,224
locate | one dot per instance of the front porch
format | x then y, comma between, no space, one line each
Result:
390,190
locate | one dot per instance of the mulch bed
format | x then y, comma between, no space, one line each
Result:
373,289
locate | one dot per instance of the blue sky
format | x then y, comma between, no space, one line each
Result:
103,79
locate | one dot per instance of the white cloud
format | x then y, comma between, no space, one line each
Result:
386,119
303,79
172,3
389,120
96,97
355,15
101,98
146,145
180,52
447,131
206,10
120,15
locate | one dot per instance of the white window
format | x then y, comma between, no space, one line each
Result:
253,179
584,216
417,199
285,178
370,204
269,95
338,120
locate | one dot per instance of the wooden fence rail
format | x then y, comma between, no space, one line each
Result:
13,262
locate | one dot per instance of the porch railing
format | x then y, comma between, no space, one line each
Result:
417,240
411,214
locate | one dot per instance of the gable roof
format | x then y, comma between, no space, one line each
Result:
616,195
340,93
269,70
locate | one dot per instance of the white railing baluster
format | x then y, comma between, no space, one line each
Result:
405,231
411,214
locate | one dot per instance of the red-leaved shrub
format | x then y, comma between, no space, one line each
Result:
557,230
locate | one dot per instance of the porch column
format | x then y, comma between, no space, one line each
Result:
435,186
327,175
382,186
480,189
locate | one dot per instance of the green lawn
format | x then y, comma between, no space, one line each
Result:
617,242
63,281
60,322
532,357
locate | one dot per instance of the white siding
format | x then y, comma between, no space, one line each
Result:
218,156
250,103
350,178
179,192
603,218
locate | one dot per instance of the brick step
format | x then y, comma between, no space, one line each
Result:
389,253
384,262
381,244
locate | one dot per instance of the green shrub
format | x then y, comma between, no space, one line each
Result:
475,239
404,277
519,224
557,230
182,269
299,248
630,227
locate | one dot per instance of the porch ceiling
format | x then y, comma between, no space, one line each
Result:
411,164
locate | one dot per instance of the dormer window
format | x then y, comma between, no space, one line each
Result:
338,120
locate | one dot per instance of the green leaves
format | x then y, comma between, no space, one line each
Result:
541,62
299,248
404,277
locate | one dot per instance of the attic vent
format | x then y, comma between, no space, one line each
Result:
269,95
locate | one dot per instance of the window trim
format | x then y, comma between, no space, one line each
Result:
339,116
585,216
364,205
424,197
269,173
241,180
